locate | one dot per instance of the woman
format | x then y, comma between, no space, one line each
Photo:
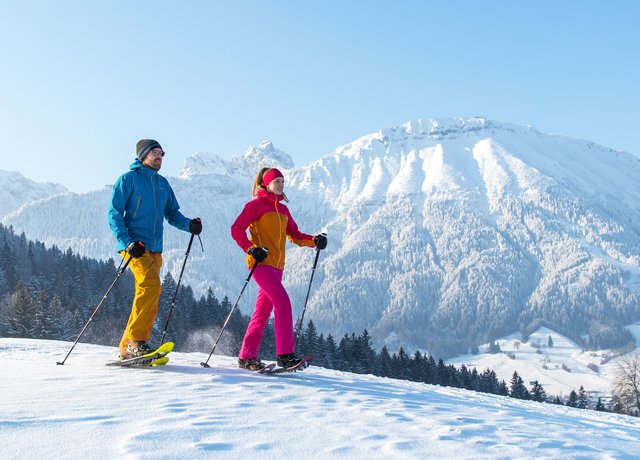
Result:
269,221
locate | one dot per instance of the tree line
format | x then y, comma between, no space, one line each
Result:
46,293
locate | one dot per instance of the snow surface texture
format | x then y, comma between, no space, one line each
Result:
442,228
87,410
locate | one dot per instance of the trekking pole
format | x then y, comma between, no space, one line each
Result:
313,271
206,363
120,272
175,294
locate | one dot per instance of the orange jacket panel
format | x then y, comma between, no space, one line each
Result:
269,222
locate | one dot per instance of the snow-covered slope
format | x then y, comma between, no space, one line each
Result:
183,411
559,365
442,233
16,190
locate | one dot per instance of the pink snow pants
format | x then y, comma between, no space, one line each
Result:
271,296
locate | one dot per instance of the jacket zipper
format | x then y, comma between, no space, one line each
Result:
279,232
135,213
155,207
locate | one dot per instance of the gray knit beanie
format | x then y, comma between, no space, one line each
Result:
143,146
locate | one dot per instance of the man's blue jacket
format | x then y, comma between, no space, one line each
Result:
140,201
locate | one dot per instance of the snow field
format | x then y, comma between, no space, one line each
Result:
87,410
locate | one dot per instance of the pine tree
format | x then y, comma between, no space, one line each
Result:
455,376
4,309
417,367
464,377
503,389
309,340
213,312
300,337
41,318
60,319
185,311
600,406
17,318
573,399
442,373
517,389
331,352
431,371
537,392
319,359
175,332
236,328
8,264
402,365
488,382
343,358
201,313
582,401
365,354
385,365
4,285
474,383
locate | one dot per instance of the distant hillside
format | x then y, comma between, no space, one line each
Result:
16,190
558,363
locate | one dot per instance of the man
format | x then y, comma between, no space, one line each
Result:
140,202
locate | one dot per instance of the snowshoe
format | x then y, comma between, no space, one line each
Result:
135,349
288,361
252,364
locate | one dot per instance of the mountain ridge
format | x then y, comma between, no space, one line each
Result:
443,233
16,190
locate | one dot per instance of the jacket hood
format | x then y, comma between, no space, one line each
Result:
137,165
262,193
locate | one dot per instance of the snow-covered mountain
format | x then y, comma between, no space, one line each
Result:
240,167
443,233
16,190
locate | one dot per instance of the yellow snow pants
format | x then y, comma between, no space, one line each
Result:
146,272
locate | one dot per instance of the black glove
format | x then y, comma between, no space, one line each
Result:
195,226
258,254
136,249
320,240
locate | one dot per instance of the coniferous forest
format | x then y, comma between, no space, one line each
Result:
46,293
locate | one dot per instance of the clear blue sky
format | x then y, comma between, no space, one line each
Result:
82,81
